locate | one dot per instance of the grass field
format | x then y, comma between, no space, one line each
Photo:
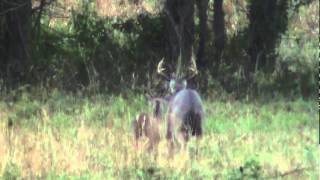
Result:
61,136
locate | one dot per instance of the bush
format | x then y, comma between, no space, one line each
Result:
115,54
250,170
11,171
298,52
98,53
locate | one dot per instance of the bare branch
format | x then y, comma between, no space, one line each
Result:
294,171
37,21
13,8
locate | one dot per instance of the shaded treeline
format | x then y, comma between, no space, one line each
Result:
268,20
117,54
15,39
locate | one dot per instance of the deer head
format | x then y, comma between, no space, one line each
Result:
177,81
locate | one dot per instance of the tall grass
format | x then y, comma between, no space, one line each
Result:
60,135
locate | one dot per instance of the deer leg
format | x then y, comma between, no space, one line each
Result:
155,150
154,137
170,137
171,147
137,131
184,136
196,129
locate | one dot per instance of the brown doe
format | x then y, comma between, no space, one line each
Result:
147,124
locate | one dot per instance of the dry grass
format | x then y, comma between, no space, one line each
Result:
76,151
69,136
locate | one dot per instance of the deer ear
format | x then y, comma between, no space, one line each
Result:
172,86
184,84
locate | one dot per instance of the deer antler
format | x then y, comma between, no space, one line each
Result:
193,67
160,69
194,70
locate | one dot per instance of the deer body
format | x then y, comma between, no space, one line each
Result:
147,124
185,115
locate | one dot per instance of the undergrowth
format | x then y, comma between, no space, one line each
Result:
52,135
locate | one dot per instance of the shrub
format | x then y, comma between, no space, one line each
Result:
298,51
250,170
11,171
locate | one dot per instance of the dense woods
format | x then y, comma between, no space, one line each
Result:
239,46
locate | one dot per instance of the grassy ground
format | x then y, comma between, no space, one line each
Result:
56,135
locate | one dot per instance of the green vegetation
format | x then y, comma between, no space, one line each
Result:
60,135
88,49
94,42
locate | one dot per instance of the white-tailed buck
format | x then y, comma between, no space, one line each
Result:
185,111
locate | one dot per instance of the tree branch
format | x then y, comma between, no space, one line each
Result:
296,170
12,9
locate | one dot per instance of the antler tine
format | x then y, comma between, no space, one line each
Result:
160,69
193,68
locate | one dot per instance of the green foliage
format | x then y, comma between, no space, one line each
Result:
91,49
114,54
67,110
150,172
289,36
11,171
255,116
298,52
250,170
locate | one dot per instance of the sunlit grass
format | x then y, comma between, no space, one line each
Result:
62,135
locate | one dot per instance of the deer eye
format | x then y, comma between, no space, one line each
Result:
172,86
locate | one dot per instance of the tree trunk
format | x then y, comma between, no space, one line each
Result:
219,33
17,39
180,29
202,79
172,21
2,40
268,19
202,6
187,16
